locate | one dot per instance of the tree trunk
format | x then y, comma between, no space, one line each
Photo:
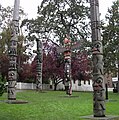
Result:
118,78
55,86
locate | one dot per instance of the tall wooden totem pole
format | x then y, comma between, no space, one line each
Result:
39,65
97,58
67,70
67,50
12,73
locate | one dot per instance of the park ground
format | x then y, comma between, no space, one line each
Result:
54,105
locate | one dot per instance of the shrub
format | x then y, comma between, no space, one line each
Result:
2,86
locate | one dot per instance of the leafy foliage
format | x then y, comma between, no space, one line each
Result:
2,86
27,73
53,65
110,38
6,16
65,17
4,63
81,66
55,20
58,18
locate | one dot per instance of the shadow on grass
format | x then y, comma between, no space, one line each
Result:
14,101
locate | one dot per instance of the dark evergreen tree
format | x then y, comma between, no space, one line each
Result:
110,38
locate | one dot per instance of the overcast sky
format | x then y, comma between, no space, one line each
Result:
30,6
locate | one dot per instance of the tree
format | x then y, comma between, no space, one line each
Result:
22,57
5,36
2,85
65,17
58,18
54,72
4,64
28,75
110,38
81,66
6,16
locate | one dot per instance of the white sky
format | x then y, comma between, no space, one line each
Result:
30,6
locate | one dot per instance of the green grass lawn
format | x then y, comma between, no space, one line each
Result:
53,105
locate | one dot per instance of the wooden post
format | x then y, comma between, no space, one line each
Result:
106,91
67,60
12,73
97,58
39,65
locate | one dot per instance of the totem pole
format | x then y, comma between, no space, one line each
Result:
39,65
97,58
67,70
12,73
67,49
